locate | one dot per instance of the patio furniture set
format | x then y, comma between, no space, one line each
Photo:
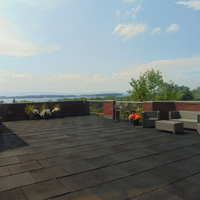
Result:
178,120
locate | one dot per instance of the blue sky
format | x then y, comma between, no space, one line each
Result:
76,46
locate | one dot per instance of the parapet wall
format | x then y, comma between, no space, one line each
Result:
16,111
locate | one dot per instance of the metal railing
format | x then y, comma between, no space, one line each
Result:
96,107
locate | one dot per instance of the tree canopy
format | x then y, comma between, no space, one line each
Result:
150,86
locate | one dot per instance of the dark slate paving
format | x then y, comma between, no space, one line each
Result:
185,189
159,194
77,167
48,173
109,173
4,171
14,181
44,190
116,190
145,182
83,158
82,195
80,181
15,194
23,167
31,157
9,161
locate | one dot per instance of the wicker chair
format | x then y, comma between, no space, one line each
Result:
149,118
117,110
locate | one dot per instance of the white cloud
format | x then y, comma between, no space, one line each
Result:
173,27
127,31
132,12
195,4
181,71
156,30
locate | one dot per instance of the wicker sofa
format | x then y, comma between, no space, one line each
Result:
190,119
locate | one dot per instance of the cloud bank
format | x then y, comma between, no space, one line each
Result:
195,4
178,71
128,31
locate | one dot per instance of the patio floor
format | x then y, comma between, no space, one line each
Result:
92,158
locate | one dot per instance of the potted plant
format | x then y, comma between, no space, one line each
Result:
56,111
45,112
32,112
134,118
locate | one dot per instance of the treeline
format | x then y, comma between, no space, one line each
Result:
150,86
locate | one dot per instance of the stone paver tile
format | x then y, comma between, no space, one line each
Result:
151,161
14,153
185,189
52,161
55,153
122,156
133,167
14,194
145,181
160,148
190,166
23,167
102,161
31,157
9,161
48,173
159,194
44,190
96,153
80,181
168,173
77,167
4,171
142,152
194,179
116,190
109,173
14,181
82,195
176,155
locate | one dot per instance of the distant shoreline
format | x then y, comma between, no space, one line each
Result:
62,96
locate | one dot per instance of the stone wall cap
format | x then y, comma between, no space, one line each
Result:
188,102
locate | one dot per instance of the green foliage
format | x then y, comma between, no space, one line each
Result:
29,108
147,86
196,93
150,86
168,91
24,101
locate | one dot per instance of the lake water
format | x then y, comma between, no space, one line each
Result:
10,100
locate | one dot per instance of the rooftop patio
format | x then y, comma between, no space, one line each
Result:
92,158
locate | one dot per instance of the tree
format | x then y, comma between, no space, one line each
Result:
196,93
150,86
168,91
147,86
184,93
